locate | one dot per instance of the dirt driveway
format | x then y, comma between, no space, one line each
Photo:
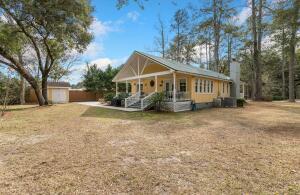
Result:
76,149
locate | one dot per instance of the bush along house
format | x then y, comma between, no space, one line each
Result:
185,87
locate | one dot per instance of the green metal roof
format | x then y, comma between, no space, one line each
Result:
186,68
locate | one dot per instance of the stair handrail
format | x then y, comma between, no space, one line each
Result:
132,99
146,101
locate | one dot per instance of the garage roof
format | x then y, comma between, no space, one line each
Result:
58,84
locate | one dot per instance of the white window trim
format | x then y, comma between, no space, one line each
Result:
196,85
178,83
206,87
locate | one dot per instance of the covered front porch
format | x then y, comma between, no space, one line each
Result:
144,78
174,88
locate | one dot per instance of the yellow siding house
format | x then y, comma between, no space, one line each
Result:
182,84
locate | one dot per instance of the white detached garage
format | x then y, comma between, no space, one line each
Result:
58,92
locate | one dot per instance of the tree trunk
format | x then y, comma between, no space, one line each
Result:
292,73
22,82
22,90
283,63
33,83
163,41
257,91
44,88
216,36
294,29
17,66
258,82
229,51
209,52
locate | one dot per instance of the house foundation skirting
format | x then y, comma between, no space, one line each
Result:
204,105
177,106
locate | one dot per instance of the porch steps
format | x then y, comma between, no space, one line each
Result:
136,105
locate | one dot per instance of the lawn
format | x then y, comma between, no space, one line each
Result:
75,149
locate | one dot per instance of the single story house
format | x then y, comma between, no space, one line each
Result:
181,83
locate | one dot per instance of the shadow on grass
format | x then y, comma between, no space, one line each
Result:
117,114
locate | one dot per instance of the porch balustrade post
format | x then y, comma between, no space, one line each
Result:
139,87
174,87
116,88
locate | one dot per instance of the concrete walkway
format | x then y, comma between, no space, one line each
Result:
97,104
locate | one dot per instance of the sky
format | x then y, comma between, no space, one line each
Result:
117,33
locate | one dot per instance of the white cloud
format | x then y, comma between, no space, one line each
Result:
100,28
242,17
101,63
133,16
93,50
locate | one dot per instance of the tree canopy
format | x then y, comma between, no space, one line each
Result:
49,29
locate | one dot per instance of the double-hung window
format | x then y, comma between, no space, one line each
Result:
208,86
196,85
223,87
227,88
200,86
182,85
211,86
204,86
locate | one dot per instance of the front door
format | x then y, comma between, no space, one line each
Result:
168,85
137,88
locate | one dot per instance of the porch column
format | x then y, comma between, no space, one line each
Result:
155,83
139,75
139,87
174,87
116,88
126,87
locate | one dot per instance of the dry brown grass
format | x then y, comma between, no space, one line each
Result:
73,149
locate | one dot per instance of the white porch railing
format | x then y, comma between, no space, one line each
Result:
132,99
180,95
146,101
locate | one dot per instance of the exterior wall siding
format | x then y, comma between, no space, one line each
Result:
202,97
195,96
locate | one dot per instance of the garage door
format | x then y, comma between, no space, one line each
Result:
59,96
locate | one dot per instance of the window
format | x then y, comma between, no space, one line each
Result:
211,86
200,86
182,85
204,87
228,88
137,87
223,87
241,89
196,85
208,86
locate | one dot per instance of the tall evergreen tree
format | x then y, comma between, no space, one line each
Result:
180,26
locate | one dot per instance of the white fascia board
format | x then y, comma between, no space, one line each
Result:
205,76
145,76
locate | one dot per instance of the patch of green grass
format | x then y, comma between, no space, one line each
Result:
117,114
